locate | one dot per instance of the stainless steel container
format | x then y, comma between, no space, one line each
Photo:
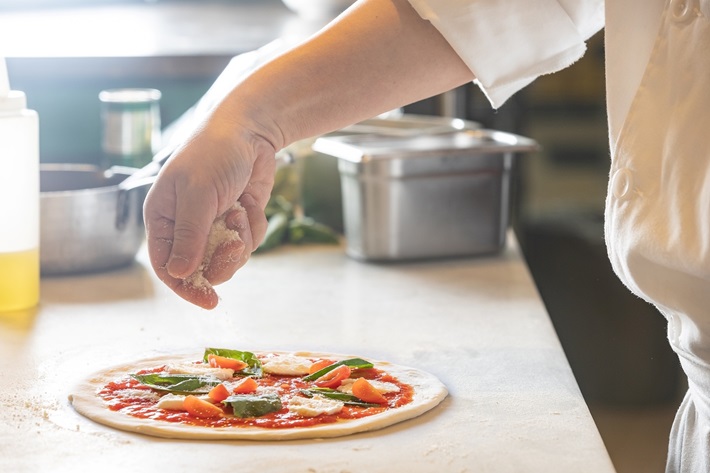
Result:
321,193
426,196
79,212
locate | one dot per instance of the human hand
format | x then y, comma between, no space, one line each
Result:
222,164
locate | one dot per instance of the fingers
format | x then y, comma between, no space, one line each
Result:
176,244
204,295
193,219
159,237
249,221
256,219
232,254
201,295
181,207
257,195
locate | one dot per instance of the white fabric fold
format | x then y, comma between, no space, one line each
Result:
509,43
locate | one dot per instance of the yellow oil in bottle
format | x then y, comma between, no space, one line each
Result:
19,280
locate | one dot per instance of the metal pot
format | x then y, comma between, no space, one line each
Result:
85,224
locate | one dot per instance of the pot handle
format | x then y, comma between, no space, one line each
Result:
143,177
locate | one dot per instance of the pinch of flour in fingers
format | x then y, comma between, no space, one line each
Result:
220,235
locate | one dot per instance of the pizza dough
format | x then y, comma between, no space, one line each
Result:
428,393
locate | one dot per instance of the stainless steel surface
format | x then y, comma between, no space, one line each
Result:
78,215
321,190
409,125
438,147
426,196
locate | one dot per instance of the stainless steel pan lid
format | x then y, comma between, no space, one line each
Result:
365,148
408,125
465,151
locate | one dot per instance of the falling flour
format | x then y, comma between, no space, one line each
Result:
219,234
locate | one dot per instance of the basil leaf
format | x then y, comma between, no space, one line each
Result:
354,363
249,405
346,398
254,365
332,394
177,383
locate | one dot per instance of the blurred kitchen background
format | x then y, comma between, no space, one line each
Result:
63,53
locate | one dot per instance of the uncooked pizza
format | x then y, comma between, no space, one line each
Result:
234,394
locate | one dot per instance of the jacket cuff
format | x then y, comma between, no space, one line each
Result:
509,43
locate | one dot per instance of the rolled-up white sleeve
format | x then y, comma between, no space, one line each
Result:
509,43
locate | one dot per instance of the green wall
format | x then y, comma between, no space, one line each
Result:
69,110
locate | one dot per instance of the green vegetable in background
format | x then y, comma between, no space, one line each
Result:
306,230
284,213
248,405
276,231
286,183
278,204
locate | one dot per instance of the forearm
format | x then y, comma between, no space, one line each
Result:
379,56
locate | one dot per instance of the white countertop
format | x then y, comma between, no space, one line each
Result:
478,324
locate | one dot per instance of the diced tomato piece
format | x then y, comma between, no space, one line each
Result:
219,393
319,365
245,386
363,390
201,408
217,361
333,378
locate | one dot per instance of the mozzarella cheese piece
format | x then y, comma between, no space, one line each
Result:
201,369
173,402
380,386
314,406
287,365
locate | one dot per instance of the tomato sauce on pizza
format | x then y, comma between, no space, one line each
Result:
231,388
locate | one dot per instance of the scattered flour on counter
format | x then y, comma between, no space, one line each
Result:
219,233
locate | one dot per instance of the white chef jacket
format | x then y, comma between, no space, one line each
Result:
658,99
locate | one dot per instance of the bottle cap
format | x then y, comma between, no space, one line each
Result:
10,100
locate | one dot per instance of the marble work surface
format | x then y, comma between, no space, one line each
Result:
478,324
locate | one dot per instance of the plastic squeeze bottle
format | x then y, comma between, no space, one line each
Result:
19,199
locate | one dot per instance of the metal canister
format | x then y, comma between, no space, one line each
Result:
429,195
131,126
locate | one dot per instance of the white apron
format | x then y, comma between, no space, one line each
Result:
658,210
